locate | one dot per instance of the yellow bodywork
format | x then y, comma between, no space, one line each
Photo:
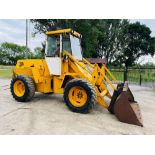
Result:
81,82
64,31
38,70
71,68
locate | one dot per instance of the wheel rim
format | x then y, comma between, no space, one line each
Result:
77,96
19,88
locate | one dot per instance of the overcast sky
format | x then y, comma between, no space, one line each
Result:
13,30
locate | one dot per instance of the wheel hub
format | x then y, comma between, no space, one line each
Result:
78,96
19,88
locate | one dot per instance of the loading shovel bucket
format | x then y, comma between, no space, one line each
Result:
124,106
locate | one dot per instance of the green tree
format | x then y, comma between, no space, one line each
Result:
148,65
90,32
135,41
109,38
37,54
120,41
99,37
44,25
10,53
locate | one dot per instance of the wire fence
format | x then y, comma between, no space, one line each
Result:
138,76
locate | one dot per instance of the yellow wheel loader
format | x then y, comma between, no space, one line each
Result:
65,71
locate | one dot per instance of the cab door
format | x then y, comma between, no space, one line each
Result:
54,65
53,54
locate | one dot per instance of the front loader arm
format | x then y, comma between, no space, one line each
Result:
99,77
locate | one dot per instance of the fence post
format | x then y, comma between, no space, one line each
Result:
140,79
140,76
125,74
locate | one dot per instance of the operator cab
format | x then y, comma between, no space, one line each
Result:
59,41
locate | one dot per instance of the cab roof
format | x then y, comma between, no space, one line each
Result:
64,31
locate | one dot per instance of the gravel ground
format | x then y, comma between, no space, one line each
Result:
48,114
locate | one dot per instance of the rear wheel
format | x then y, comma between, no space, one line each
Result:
22,88
79,95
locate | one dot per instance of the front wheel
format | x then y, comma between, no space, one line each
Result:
79,95
22,88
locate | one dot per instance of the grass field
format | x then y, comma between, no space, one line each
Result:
147,75
6,71
6,67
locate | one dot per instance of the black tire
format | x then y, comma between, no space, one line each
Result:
29,88
91,95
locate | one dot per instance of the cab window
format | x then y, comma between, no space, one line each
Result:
53,46
66,44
